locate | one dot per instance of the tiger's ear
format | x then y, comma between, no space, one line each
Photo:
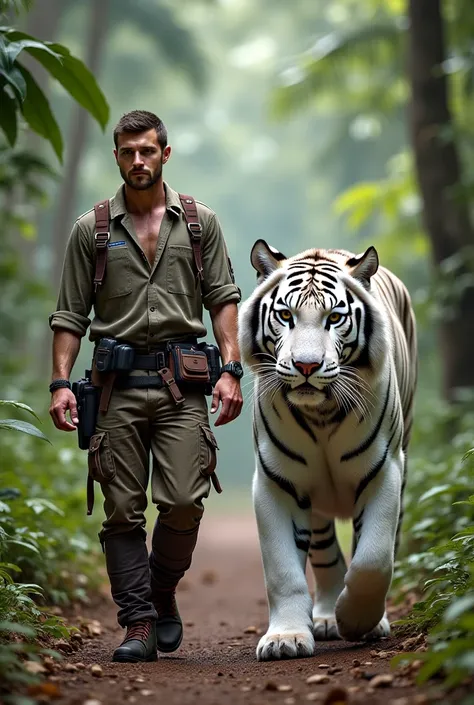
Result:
265,259
364,266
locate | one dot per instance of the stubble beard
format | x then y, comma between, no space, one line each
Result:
142,185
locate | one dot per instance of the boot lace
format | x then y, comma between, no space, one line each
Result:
139,630
165,603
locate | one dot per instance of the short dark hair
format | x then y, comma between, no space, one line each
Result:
141,121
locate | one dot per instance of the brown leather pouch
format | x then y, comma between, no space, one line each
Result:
189,365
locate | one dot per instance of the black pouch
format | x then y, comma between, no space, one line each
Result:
124,356
104,355
188,364
87,399
213,361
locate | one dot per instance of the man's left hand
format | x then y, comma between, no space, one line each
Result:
227,392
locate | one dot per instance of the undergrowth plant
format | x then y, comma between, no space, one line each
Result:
47,556
439,555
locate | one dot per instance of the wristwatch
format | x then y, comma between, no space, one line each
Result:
234,368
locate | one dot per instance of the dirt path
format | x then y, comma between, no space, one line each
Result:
221,598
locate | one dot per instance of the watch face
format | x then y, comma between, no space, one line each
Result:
234,368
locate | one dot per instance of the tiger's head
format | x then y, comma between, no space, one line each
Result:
311,325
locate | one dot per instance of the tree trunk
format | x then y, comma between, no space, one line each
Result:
446,216
76,141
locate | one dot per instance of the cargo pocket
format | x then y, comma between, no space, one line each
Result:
100,458
208,455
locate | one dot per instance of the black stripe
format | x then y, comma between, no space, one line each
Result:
301,537
324,529
278,444
303,502
254,322
324,543
368,441
375,470
326,565
302,544
300,532
300,419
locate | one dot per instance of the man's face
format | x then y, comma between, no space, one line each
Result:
140,158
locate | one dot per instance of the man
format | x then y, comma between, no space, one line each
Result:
151,294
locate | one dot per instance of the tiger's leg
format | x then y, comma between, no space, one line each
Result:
360,609
284,533
329,568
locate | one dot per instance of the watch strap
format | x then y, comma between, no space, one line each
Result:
59,384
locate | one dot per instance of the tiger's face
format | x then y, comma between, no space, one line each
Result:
307,326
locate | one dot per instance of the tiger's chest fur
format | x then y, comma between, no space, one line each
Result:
323,459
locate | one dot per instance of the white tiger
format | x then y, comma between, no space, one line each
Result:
330,338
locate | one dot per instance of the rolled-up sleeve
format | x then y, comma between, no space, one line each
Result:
219,285
76,289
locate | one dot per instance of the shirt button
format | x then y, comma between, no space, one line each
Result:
152,308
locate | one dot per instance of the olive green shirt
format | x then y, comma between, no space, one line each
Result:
139,303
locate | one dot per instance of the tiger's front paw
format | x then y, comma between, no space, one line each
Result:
359,615
286,644
325,628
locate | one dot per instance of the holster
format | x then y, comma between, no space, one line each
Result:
87,399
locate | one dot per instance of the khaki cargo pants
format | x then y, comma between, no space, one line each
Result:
140,423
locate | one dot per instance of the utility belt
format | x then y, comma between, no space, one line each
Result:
181,366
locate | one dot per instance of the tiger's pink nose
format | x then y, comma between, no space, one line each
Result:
307,368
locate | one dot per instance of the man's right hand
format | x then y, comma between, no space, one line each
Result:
63,400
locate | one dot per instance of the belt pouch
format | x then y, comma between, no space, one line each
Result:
189,364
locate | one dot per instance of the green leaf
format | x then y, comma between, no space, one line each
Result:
71,73
8,117
15,628
40,505
458,608
23,427
19,405
434,491
38,114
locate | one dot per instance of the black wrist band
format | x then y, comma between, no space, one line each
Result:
59,384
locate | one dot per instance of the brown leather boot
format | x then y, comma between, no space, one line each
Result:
169,627
169,559
139,644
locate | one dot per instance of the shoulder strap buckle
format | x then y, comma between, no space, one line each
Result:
102,237
194,228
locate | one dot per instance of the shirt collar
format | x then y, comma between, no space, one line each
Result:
118,207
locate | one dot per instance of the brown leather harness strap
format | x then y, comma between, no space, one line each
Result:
169,381
194,228
102,237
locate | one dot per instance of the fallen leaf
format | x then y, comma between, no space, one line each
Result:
34,667
50,690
